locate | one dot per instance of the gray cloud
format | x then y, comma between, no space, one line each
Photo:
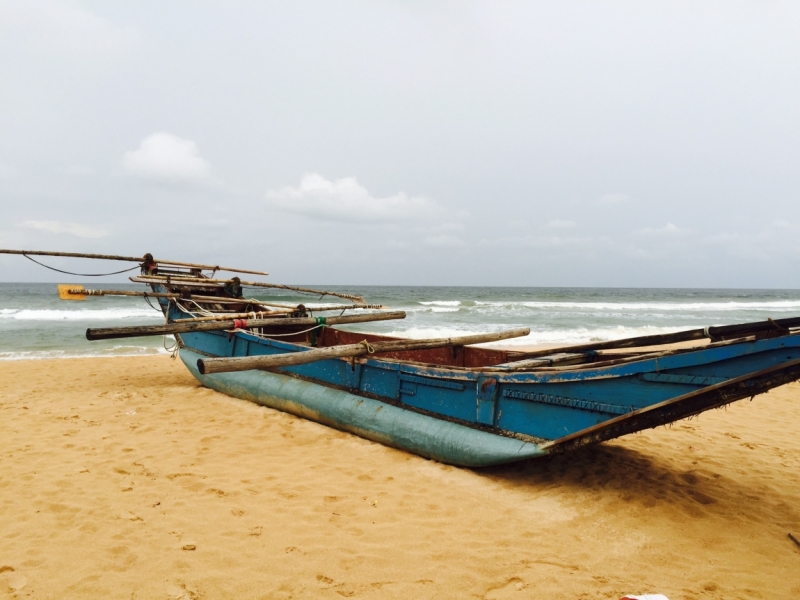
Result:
455,143
670,230
76,229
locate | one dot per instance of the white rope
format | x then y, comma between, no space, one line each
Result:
204,312
264,336
173,350
182,308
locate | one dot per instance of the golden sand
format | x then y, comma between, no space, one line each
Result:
123,478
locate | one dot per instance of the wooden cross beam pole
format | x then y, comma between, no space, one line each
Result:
246,363
137,259
173,328
721,332
227,316
77,292
179,279
285,311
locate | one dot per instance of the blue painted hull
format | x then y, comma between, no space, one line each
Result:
486,416
384,423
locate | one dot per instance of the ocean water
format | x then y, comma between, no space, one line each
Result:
34,323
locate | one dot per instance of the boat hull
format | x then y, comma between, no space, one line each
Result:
473,417
390,425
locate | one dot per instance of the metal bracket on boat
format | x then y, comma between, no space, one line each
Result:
486,401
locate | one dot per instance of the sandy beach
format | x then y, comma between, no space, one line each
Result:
123,478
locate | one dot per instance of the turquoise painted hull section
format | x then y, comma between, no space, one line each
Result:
371,419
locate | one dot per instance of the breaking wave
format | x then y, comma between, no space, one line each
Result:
89,314
578,335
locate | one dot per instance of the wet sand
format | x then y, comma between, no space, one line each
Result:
123,478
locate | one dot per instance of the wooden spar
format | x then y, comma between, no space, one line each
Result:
327,308
176,280
220,299
353,297
76,291
172,328
228,316
246,363
197,283
80,292
713,333
218,283
642,356
287,310
137,259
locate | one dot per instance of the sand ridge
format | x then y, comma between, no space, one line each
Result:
123,478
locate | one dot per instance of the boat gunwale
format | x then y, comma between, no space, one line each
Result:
627,369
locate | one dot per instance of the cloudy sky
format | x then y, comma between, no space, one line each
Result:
433,143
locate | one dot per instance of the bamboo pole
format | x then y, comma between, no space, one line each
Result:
228,316
220,299
288,310
173,328
137,259
713,333
68,291
246,363
169,279
78,292
178,281
325,308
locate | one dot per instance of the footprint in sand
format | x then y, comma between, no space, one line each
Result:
15,580
129,516
509,589
181,591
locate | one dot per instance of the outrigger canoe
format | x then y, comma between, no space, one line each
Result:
448,400
476,406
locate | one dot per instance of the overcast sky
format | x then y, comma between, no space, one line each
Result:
432,143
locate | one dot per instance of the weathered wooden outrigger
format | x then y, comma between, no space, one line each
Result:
447,399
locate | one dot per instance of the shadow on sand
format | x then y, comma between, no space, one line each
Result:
648,480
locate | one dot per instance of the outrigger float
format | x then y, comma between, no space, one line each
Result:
445,399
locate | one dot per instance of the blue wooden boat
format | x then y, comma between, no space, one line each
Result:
473,406
458,404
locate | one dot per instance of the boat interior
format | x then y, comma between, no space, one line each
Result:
203,298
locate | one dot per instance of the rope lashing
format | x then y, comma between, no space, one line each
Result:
239,324
780,328
366,345
320,321
265,336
